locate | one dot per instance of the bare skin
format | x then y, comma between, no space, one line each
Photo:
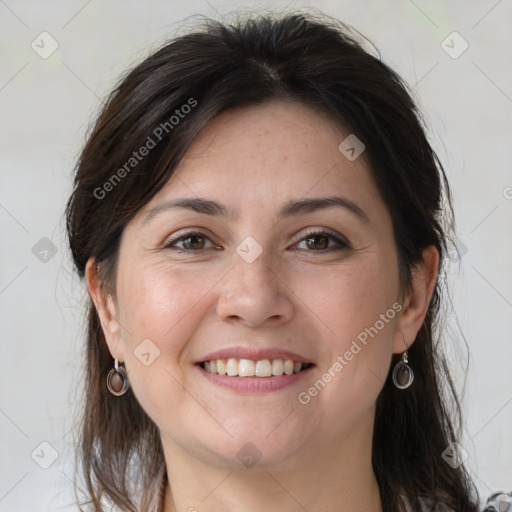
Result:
200,295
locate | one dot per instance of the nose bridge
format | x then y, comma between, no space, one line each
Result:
252,290
252,267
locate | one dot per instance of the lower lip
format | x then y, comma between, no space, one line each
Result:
254,385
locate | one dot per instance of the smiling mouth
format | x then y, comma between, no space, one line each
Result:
233,367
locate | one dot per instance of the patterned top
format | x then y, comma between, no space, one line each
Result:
497,502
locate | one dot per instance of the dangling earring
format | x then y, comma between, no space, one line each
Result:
117,380
402,373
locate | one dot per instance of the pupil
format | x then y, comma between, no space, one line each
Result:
193,237
324,246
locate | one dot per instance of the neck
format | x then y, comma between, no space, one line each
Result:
335,476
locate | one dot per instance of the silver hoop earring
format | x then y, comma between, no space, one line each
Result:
117,380
402,373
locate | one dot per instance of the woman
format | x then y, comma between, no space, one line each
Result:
258,217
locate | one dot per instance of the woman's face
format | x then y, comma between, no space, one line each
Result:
254,283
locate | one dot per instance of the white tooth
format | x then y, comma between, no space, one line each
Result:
297,367
213,366
263,368
277,367
221,366
246,368
207,366
232,367
288,367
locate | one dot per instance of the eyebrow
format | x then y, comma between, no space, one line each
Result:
290,209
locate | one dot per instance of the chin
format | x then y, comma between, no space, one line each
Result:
264,443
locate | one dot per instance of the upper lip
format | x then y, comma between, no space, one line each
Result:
254,354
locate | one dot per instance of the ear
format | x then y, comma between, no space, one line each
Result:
415,306
106,309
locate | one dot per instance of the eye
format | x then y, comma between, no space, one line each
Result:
193,241
321,238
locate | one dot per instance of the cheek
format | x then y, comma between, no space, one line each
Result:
167,304
160,301
354,306
350,297
160,310
156,304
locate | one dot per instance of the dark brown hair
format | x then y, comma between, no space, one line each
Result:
322,63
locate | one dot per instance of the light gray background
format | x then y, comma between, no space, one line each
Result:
46,105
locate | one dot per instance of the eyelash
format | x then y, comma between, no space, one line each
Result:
342,244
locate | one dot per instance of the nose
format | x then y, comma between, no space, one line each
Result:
255,293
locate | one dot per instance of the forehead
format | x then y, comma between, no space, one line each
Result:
264,138
269,154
